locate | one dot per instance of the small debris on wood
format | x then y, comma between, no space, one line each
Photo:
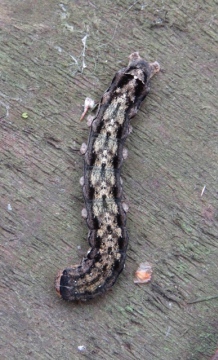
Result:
81,348
88,104
143,273
202,191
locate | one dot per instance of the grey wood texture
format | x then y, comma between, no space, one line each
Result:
54,54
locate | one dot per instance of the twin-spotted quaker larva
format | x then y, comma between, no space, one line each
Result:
102,188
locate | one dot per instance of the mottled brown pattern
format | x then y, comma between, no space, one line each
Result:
102,188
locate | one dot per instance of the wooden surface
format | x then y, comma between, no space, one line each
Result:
53,55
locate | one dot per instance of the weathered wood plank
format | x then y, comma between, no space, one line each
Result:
173,157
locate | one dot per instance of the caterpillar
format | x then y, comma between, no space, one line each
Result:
102,185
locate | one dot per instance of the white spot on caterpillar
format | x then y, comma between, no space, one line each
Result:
125,153
84,213
82,181
83,148
155,68
130,128
125,207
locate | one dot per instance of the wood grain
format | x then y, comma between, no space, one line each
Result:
46,72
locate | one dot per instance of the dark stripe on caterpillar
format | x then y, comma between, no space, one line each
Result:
102,188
